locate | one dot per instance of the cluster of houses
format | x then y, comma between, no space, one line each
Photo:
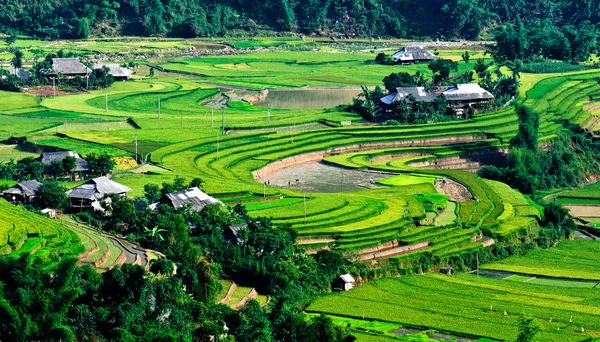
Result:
72,67
460,98
91,194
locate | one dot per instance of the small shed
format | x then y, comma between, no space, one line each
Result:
344,282
231,234
51,213
447,270
25,192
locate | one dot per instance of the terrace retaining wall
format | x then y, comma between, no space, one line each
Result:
317,156
394,251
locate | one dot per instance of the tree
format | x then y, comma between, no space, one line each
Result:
152,192
403,79
527,136
466,56
480,67
441,69
69,164
255,325
196,183
528,329
52,195
101,164
17,60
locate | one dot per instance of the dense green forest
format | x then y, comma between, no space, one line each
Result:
189,18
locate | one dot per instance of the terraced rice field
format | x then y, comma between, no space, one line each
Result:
571,259
24,232
466,304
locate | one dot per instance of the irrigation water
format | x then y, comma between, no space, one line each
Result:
315,176
313,97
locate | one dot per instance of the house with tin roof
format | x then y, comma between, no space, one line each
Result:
82,168
118,72
194,197
25,192
411,54
465,95
90,194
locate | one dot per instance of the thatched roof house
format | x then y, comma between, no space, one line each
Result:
89,194
118,72
402,94
411,54
68,67
24,192
194,197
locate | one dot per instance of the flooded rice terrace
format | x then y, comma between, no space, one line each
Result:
313,97
316,176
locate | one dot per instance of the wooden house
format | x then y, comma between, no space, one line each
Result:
467,95
118,72
90,194
68,67
82,168
411,54
25,192
344,282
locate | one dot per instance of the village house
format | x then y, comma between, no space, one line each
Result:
193,197
68,67
464,95
344,282
118,72
411,54
90,194
459,98
231,234
19,72
81,170
25,192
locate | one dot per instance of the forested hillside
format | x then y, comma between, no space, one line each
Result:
369,18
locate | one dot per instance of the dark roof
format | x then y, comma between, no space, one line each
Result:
68,66
193,196
96,188
236,228
19,72
467,92
115,69
26,188
401,94
413,53
231,235
48,157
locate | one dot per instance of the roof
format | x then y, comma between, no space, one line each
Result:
194,196
347,278
19,72
68,66
402,93
26,188
236,228
115,69
97,188
413,53
465,92
48,157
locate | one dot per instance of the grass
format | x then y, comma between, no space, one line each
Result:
572,259
591,191
402,180
226,284
239,293
461,304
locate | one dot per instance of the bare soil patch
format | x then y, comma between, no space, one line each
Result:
584,210
48,91
455,190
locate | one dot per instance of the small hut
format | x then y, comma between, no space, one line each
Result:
118,72
447,270
344,282
231,234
